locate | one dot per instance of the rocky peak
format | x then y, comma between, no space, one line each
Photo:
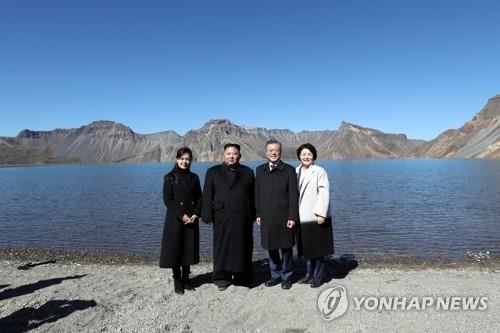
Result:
490,110
28,134
220,122
107,124
221,128
105,127
347,126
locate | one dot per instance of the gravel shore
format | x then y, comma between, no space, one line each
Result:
50,291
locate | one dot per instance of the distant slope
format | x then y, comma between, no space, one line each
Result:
98,142
477,138
356,142
110,142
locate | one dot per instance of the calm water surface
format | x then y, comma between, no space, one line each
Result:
421,209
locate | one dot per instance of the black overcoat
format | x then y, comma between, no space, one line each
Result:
276,201
228,202
181,242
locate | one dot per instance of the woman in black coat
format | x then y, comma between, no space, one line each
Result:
181,235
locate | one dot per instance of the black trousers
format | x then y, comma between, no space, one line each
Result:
181,274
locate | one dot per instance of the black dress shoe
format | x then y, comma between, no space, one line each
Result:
272,282
316,283
178,287
243,280
222,287
286,285
306,279
246,284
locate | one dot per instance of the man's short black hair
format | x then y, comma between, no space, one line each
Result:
234,145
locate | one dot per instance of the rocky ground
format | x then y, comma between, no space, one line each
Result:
47,291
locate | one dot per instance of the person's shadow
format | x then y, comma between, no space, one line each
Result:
199,280
260,270
31,264
337,268
30,318
29,288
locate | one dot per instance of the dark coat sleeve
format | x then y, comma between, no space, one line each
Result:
197,195
257,193
168,199
207,213
251,190
293,208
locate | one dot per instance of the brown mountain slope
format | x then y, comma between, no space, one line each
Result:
109,142
477,138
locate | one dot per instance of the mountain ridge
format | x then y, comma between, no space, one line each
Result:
105,141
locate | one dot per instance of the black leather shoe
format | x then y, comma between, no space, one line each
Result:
222,287
246,284
316,283
306,279
286,285
272,282
178,287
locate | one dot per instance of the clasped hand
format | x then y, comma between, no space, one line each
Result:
189,220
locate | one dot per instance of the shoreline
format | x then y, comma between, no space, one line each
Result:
95,257
409,158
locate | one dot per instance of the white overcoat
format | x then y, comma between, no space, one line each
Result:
314,197
314,240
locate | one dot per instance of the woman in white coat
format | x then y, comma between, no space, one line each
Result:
315,237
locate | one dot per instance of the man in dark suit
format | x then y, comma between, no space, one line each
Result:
228,203
277,207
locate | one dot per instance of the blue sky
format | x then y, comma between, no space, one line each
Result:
415,67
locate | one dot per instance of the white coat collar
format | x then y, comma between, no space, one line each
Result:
306,177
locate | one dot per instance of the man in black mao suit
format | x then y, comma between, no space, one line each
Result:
228,203
277,207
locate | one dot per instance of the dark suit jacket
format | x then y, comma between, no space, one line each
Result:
276,201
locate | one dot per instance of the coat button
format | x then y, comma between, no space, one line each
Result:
182,203
192,202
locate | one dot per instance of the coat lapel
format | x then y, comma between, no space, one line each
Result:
280,166
305,179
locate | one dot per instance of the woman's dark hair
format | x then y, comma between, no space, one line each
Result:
184,150
309,147
172,175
